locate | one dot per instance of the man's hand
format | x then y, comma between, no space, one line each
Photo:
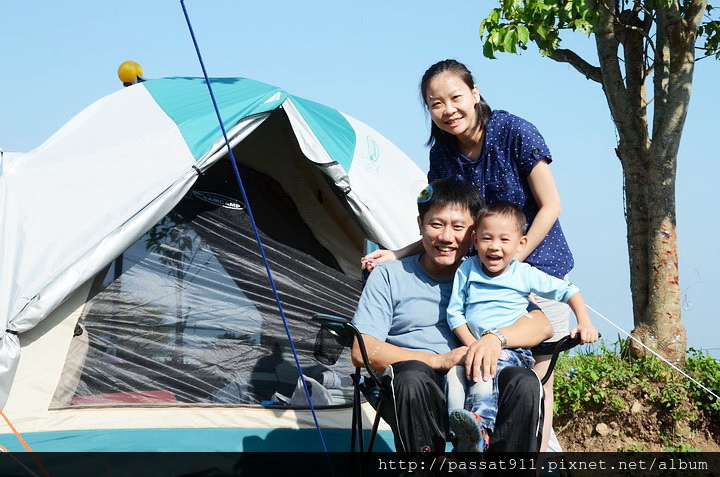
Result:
446,361
481,358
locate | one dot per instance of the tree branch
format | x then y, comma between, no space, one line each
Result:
679,29
695,13
626,25
612,78
586,69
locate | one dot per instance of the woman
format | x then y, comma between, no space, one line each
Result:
506,158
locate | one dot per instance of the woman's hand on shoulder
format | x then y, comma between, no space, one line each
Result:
373,259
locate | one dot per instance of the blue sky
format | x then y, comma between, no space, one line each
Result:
365,59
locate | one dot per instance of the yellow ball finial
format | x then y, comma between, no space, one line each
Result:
129,71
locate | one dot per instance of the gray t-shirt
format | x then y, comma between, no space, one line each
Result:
402,305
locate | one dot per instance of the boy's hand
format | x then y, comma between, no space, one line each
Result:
588,333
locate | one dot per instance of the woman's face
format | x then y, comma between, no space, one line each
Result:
452,104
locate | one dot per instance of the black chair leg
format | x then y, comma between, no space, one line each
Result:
373,434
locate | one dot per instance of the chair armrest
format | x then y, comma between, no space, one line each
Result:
345,329
554,348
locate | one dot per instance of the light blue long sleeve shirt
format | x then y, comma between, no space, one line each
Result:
483,302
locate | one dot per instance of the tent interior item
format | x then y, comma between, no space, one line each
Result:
178,334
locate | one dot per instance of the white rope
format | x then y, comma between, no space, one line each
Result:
653,352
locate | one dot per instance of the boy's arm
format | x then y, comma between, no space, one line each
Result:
562,290
455,311
588,333
465,335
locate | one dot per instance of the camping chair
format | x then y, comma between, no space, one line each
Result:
336,333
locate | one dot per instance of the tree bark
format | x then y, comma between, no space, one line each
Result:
649,164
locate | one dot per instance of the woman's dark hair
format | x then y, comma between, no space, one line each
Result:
450,191
437,135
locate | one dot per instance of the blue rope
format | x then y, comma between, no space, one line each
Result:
257,234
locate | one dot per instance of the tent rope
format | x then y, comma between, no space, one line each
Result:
257,234
25,445
653,352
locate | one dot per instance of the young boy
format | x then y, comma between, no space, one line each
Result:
491,291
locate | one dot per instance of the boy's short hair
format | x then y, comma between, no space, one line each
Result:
504,209
449,191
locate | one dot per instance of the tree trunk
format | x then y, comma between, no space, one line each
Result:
649,173
652,249
634,164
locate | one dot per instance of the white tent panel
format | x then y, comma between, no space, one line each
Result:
379,168
142,160
145,162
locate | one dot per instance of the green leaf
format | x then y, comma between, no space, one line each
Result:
488,50
542,31
482,28
495,38
583,25
523,34
510,41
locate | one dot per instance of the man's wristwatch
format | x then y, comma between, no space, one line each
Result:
496,332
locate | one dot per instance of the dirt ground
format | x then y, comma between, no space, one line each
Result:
638,427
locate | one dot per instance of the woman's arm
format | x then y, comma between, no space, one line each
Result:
382,354
542,186
373,259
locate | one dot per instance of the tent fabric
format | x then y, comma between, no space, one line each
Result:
71,206
186,313
7,159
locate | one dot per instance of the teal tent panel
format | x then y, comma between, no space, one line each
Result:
331,128
187,102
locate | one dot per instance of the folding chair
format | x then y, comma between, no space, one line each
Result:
334,335
554,348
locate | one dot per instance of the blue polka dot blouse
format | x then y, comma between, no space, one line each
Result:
512,148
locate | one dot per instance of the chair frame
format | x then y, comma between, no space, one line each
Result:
345,328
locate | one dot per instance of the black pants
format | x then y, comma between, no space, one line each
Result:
422,414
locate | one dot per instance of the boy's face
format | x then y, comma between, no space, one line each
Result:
497,240
446,238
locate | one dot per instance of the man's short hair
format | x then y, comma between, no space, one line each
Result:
447,192
504,209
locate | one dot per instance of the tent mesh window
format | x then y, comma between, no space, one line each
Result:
186,314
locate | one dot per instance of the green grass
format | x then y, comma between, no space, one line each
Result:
599,379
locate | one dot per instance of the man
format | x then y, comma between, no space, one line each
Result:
402,318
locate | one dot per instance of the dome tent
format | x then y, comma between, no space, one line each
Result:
127,253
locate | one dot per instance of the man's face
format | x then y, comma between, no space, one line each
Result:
446,238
